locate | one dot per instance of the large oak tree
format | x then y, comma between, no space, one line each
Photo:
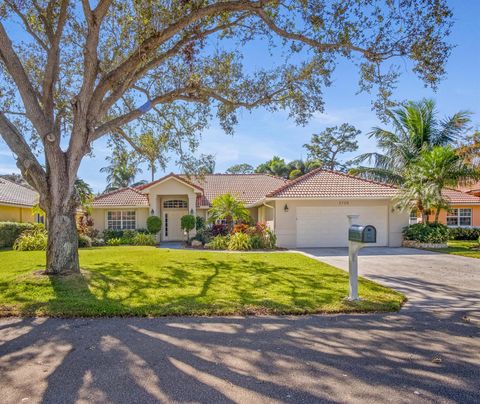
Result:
74,71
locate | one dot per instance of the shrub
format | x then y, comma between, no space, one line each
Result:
10,231
144,239
109,233
199,223
98,242
240,242
464,233
269,239
187,223
115,241
203,235
240,228
128,236
154,224
427,233
218,243
85,226
84,241
219,230
34,239
256,242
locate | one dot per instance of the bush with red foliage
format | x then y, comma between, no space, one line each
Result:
219,230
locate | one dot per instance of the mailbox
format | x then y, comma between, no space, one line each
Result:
362,234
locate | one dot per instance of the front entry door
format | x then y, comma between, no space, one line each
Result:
172,230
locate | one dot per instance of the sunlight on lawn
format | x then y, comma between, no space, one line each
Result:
146,281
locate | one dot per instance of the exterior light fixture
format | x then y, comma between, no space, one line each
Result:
191,211
285,208
152,212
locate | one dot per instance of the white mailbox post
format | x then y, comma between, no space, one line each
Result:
358,236
353,248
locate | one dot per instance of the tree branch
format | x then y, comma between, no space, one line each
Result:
27,92
27,25
127,82
26,161
153,42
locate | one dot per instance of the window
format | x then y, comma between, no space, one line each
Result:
459,217
175,204
121,220
413,216
166,225
39,218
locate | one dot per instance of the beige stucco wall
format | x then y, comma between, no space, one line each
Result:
15,214
99,216
286,226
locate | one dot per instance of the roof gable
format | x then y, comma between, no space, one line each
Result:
15,194
327,184
121,197
170,176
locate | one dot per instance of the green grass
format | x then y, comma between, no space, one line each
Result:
146,281
461,247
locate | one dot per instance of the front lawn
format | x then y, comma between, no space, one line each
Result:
461,247
146,281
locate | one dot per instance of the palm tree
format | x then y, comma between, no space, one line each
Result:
415,129
435,170
122,169
227,207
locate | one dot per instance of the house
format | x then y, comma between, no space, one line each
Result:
310,211
16,203
464,209
472,189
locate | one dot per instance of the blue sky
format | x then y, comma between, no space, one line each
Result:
260,134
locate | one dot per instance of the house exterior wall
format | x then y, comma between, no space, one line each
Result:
286,227
15,214
99,216
442,218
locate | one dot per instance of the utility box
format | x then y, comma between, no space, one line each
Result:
362,234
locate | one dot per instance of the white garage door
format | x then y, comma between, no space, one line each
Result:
328,226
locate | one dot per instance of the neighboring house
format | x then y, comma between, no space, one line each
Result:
16,203
310,211
472,189
464,209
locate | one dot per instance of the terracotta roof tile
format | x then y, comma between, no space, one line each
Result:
249,188
15,194
121,197
171,175
470,188
331,184
460,198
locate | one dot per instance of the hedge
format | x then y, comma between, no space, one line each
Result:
464,233
9,232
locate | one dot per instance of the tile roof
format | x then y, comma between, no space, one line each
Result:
460,198
121,197
470,188
15,194
325,184
182,178
252,188
249,188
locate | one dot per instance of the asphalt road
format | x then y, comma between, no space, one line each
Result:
422,354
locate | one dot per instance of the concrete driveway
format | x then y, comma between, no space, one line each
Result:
431,281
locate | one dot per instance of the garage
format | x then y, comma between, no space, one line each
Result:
327,226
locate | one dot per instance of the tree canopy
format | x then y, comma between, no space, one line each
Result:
327,146
72,72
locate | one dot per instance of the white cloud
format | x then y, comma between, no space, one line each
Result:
8,169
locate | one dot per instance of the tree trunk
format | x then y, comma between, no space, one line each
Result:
62,248
437,215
